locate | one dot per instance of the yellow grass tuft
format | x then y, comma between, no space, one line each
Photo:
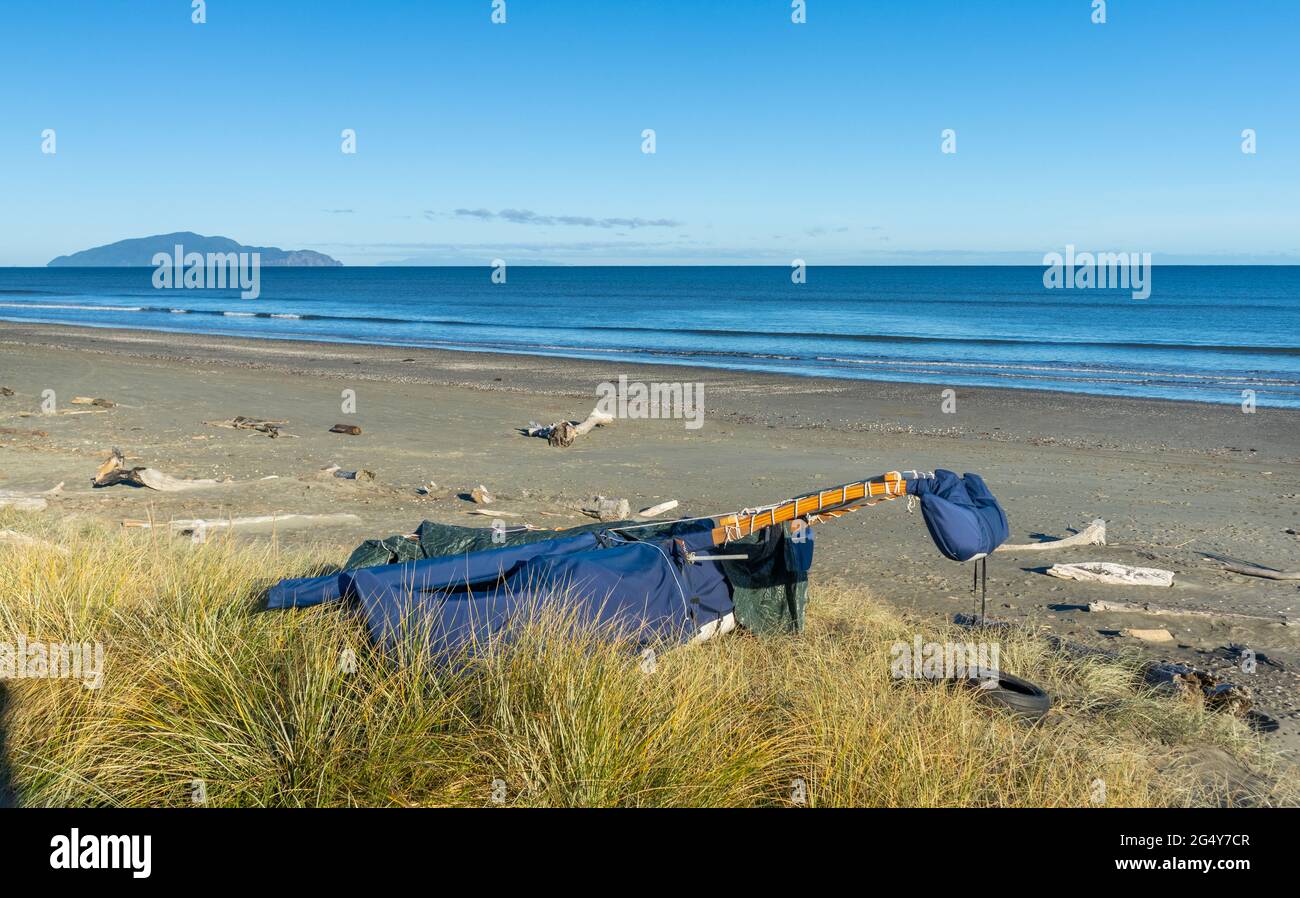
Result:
207,699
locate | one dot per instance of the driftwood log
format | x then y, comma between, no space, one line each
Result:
1092,535
1181,680
1255,570
1145,608
605,509
563,433
241,422
114,471
1112,573
286,521
655,510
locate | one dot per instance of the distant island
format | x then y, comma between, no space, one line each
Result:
139,252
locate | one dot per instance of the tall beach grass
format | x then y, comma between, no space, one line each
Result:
208,700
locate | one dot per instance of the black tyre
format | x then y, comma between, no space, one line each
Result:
1021,697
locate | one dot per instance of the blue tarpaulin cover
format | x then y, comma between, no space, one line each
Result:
646,590
963,518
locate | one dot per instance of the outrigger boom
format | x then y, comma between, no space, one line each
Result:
813,507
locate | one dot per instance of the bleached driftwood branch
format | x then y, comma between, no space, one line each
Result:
656,510
1145,608
1110,572
279,520
1255,570
243,422
564,433
1092,535
114,471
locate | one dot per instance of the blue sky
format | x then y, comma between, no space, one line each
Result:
775,141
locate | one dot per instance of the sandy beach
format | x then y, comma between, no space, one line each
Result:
1172,480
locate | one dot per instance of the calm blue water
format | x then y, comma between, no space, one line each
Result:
1205,333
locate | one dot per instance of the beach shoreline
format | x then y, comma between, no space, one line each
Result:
1173,479
1089,418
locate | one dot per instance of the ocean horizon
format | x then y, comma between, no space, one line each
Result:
1205,333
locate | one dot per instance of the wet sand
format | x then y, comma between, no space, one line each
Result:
1173,480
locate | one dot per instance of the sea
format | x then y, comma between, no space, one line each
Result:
1225,334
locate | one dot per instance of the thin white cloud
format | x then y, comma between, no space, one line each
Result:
529,217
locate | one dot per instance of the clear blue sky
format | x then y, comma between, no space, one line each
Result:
774,140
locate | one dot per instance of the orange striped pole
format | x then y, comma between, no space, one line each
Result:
830,503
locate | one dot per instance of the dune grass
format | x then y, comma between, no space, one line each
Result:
207,700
